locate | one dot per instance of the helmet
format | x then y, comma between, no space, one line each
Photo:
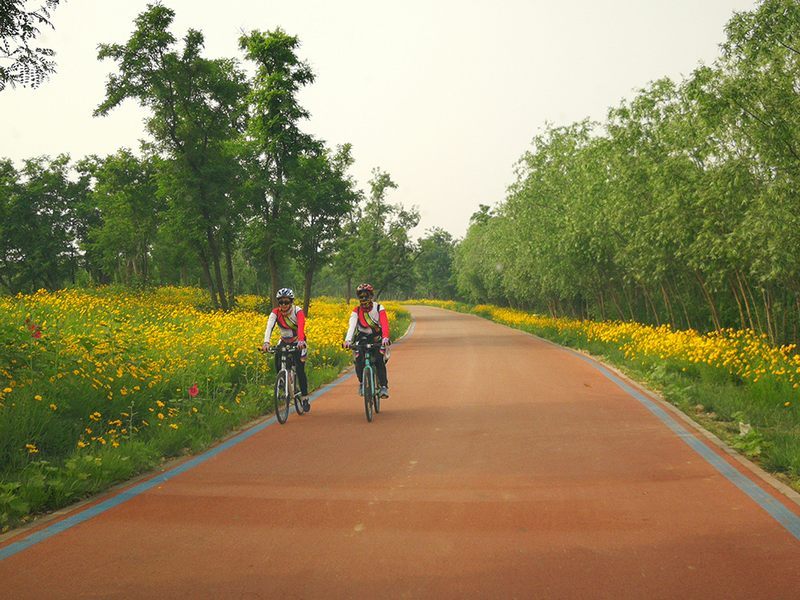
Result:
285,293
365,287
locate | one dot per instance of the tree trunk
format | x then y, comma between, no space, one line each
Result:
208,280
744,299
709,300
307,289
212,245
742,322
229,269
272,263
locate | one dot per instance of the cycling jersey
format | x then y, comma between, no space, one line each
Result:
291,325
373,321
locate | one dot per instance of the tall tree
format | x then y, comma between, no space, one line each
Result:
321,193
197,113
125,194
382,244
433,265
275,140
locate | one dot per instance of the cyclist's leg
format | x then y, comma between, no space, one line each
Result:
300,367
380,365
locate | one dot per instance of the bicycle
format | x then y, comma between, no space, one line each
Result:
369,388
286,388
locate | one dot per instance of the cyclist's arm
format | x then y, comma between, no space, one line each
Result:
351,327
384,321
301,325
270,326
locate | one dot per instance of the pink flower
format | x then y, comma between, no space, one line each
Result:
193,391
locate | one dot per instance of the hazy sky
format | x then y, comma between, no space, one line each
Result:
445,95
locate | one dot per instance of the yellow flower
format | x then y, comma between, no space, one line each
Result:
173,425
38,398
7,390
787,403
160,415
53,406
82,444
32,449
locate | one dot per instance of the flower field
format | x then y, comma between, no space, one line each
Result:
97,385
721,378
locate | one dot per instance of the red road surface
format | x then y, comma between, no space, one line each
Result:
501,466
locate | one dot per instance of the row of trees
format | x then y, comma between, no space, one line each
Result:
682,208
228,190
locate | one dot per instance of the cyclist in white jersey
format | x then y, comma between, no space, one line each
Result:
291,321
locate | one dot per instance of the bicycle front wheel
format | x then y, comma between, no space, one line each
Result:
282,399
369,391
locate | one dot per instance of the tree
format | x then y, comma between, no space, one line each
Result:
125,194
197,114
380,244
321,194
19,63
274,137
37,234
433,265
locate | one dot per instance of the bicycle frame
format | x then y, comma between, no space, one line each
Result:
286,389
370,391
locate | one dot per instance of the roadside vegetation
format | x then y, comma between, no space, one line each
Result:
735,383
97,386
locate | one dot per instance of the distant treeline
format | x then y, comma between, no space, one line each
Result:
228,193
683,207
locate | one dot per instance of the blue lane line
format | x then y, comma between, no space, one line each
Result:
102,507
789,520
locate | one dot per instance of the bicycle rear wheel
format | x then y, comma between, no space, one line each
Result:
282,399
369,391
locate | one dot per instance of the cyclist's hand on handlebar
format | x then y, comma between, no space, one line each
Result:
301,344
346,345
266,347
385,342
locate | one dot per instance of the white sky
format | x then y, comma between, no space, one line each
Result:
445,95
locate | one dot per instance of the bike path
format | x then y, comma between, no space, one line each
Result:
502,466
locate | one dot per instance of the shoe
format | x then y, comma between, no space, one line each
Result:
384,391
306,404
360,390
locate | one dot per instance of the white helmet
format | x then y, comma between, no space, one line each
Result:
285,293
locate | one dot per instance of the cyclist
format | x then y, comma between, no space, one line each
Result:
369,321
291,322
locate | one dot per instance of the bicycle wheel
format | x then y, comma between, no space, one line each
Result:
282,399
369,391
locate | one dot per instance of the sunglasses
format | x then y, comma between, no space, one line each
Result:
284,302
363,296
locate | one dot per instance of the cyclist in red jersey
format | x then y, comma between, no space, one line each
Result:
291,322
369,323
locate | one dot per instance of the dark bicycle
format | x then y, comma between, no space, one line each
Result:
369,385
286,388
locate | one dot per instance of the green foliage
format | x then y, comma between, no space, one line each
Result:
682,208
19,63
